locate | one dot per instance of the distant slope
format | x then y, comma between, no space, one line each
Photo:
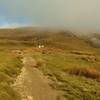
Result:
36,36
93,39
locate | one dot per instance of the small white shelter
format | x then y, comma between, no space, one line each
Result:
41,46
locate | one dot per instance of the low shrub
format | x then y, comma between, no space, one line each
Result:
84,71
40,62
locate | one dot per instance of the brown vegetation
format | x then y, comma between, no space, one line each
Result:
40,62
84,71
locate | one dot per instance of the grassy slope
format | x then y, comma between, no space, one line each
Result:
75,86
33,37
9,68
75,69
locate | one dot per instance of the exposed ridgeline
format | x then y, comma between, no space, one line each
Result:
35,36
93,39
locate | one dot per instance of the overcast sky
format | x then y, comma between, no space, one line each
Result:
73,14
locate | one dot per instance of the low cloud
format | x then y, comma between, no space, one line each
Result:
71,14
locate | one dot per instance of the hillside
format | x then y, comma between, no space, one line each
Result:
93,39
69,64
35,36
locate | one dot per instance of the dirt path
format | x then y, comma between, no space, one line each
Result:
32,84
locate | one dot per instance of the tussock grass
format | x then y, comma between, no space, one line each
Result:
77,83
9,69
40,62
84,71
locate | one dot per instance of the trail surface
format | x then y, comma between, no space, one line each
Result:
32,84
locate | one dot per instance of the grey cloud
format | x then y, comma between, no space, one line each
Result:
76,14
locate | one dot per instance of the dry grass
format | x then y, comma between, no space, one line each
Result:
40,62
9,69
84,71
78,83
